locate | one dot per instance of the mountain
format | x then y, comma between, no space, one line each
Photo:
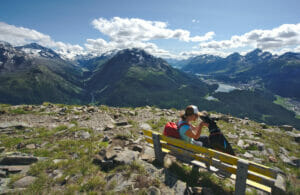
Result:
34,74
280,74
134,77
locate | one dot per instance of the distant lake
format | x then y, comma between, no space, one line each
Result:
225,88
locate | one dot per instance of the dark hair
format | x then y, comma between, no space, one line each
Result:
189,111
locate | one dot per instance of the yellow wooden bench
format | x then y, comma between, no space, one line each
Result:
243,171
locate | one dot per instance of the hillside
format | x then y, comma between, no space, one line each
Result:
34,74
276,73
135,78
50,149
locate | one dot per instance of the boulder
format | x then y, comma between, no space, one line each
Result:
2,149
145,126
109,127
15,168
287,127
31,146
137,148
179,187
248,155
18,160
2,173
240,143
126,157
24,182
82,134
153,191
122,123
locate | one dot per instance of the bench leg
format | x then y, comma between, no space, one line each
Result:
159,156
241,177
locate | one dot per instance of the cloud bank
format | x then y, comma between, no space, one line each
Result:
124,33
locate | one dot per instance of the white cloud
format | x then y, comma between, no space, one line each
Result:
284,36
20,36
135,29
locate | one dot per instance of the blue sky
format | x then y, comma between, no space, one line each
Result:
173,27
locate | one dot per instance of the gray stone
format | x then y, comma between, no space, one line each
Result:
248,155
24,182
2,173
240,143
137,148
179,187
120,182
153,191
232,136
109,127
110,154
287,127
285,159
280,185
296,161
126,157
18,160
145,126
207,191
122,123
82,134
31,146
271,151
15,169
283,151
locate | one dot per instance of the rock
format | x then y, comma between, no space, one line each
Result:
91,109
110,154
109,127
263,125
179,187
248,155
2,173
283,151
56,161
271,151
145,126
121,183
82,134
2,149
296,162
31,146
18,160
285,159
24,182
132,113
280,185
137,148
207,191
240,143
15,169
126,157
272,159
297,138
153,191
106,139
122,123
20,146
287,127
232,136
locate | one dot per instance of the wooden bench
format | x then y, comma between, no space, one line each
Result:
244,172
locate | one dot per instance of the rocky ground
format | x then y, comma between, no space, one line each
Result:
50,149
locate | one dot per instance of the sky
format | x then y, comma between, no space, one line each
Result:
164,28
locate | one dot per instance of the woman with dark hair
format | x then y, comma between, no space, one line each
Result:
191,133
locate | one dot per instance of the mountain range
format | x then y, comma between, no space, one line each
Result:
280,74
33,74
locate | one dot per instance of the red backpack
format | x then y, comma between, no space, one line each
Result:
172,130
